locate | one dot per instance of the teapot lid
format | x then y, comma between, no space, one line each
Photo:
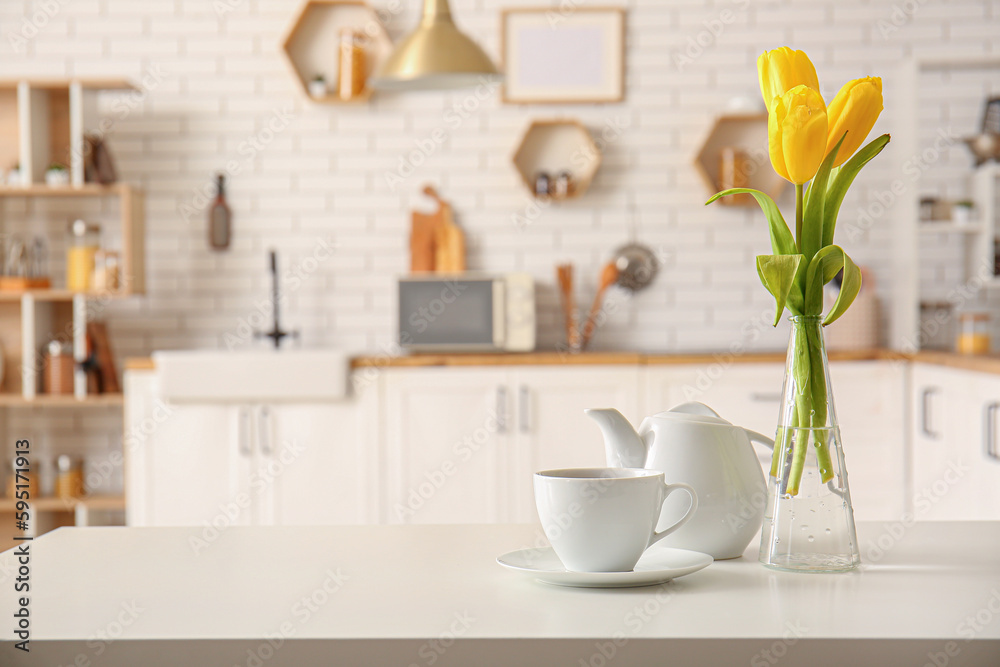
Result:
693,411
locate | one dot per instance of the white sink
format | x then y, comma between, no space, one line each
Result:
257,375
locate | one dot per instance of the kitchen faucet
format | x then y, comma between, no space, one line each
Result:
276,333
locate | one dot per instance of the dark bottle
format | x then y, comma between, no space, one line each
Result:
220,218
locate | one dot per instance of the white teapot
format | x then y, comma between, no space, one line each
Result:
692,444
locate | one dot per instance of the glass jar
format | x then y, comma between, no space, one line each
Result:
13,481
69,477
57,368
973,333
106,271
81,252
352,65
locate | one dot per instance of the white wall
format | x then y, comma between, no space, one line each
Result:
215,80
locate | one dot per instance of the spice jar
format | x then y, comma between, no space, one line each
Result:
973,333
84,242
57,368
69,477
352,65
13,481
106,273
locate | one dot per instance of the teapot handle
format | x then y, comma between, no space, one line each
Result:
759,438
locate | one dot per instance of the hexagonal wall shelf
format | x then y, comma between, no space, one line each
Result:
312,43
553,147
747,134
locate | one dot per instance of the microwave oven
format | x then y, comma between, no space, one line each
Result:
467,312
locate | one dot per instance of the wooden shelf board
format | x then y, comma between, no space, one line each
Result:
86,190
95,83
53,504
56,294
948,227
61,401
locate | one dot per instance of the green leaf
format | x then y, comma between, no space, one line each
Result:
812,220
823,268
778,272
842,181
782,241
849,290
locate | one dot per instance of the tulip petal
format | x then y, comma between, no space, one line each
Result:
780,70
801,121
854,110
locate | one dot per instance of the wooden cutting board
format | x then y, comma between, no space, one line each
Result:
437,244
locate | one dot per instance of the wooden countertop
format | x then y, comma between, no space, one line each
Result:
985,364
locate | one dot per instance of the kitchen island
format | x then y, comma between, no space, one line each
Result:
927,593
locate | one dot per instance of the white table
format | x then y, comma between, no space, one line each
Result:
433,595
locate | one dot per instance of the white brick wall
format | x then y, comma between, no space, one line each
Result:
223,81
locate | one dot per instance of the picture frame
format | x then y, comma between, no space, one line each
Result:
557,55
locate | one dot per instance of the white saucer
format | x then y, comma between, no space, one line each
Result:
657,565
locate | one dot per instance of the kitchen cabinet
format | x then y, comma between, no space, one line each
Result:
553,432
869,399
956,459
220,464
462,443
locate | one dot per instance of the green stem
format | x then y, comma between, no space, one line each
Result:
799,208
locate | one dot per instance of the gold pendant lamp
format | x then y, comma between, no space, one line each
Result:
435,56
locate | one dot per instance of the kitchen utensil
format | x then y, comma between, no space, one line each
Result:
656,566
220,217
99,167
692,444
436,243
603,519
609,275
564,274
637,266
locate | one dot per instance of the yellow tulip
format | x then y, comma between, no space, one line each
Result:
797,134
854,110
781,70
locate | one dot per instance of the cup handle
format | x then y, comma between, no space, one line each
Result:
668,489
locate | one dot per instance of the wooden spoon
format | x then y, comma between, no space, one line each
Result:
609,274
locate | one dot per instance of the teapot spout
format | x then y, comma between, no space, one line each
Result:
622,445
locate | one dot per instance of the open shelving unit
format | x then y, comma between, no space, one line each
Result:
553,146
311,44
44,121
976,237
746,132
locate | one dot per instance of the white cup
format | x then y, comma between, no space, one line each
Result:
603,519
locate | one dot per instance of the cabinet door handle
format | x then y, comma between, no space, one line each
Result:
501,409
758,397
925,409
989,430
524,406
264,426
243,428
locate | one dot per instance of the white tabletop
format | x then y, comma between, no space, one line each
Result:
371,586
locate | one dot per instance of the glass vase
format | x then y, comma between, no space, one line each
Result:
808,519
